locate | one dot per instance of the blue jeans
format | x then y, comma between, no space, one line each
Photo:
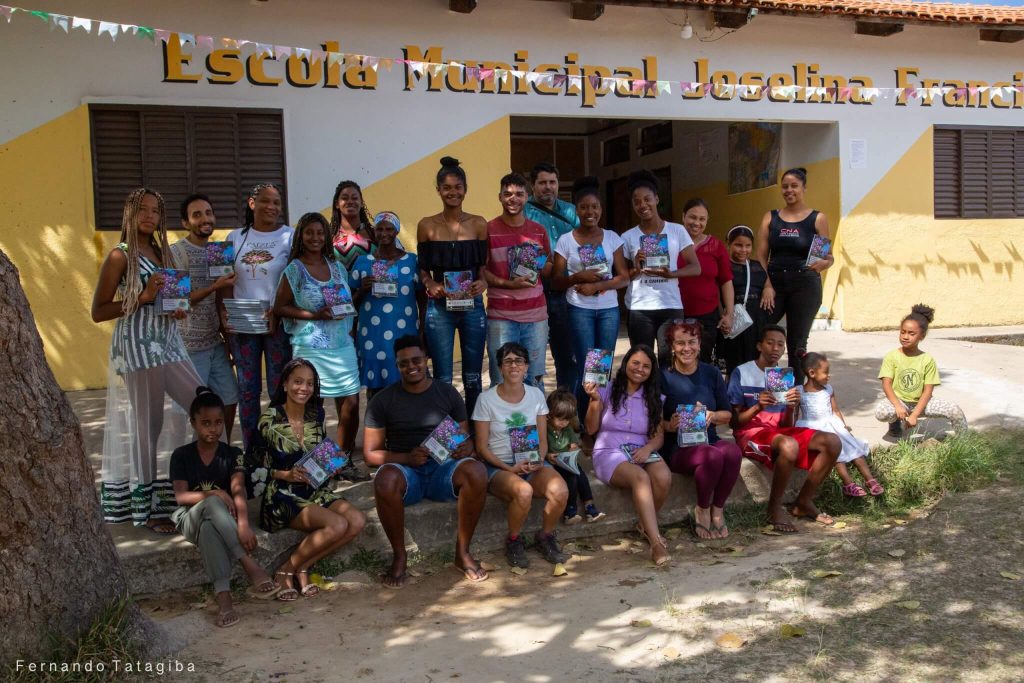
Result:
590,329
534,336
560,338
441,325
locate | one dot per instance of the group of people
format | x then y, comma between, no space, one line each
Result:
404,314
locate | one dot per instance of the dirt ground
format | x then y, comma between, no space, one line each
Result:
938,597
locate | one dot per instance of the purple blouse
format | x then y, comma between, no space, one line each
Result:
629,425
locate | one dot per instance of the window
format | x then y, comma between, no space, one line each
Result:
979,172
656,138
180,150
615,150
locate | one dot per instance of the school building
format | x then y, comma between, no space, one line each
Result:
908,118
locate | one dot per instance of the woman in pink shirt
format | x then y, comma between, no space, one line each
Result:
708,298
626,418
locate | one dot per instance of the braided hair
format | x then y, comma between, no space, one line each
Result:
327,251
132,287
315,404
365,220
651,388
250,215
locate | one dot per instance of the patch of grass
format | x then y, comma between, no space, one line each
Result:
107,639
363,559
915,475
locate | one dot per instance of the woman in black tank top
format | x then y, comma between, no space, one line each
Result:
793,289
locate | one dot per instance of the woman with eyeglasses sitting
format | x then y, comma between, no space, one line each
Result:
694,445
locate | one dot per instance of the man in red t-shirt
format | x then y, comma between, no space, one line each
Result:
519,256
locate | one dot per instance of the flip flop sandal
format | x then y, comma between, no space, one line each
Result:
288,594
401,578
310,590
720,529
265,591
227,619
163,528
478,575
783,527
816,520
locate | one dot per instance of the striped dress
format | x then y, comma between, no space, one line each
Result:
141,342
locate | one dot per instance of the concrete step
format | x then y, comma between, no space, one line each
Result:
155,563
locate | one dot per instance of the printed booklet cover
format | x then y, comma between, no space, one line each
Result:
321,461
630,448
456,289
592,257
220,259
693,425
597,367
779,381
568,461
385,279
820,248
526,260
173,294
655,250
339,299
525,443
445,438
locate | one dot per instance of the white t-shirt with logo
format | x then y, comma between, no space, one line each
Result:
647,293
260,258
569,249
501,414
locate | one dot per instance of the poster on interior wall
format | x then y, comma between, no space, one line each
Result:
753,156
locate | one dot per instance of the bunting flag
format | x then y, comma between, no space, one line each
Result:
621,84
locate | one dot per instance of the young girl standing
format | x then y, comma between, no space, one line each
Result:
563,436
209,486
818,410
909,377
148,359
748,278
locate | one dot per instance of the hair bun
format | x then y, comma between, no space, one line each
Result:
200,390
923,310
642,178
449,161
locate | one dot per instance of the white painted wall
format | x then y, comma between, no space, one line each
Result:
367,135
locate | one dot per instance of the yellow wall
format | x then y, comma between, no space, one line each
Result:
896,254
823,193
49,228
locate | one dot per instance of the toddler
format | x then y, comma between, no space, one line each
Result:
564,435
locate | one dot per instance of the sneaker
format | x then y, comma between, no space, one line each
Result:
547,544
593,514
515,552
571,516
351,473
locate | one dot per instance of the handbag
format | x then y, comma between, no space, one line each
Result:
741,319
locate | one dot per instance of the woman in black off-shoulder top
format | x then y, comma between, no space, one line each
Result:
453,250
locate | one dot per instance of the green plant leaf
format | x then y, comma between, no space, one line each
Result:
1010,575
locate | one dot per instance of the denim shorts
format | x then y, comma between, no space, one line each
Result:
533,336
429,480
492,470
215,371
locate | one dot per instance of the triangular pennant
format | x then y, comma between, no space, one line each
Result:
265,49
282,51
127,28
416,67
595,81
485,74
303,53
334,58
60,21
204,42
664,87
845,93
639,84
7,12
532,77
162,34
110,28
229,43
436,69
187,38
387,63
869,93
318,55
144,32
372,62
42,16
558,80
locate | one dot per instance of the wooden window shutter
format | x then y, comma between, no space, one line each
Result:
117,162
947,173
217,173
261,153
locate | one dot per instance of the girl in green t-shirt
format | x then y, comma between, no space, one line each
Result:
909,377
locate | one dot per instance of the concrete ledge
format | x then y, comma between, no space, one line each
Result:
155,563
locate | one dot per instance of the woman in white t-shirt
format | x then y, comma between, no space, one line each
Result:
653,295
261,254
590,266
511,437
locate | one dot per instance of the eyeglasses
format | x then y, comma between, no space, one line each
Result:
683,321
514,362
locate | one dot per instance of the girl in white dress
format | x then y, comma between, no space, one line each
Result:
818,410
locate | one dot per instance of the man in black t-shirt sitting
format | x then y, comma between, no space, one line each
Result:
398,420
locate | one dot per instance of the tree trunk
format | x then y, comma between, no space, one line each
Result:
58,565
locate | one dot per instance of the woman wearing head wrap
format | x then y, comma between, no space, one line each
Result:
385,287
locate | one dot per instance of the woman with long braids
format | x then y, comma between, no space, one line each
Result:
261,253
351,227
148,360
316,335
454,241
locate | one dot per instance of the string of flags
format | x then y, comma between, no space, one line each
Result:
693,90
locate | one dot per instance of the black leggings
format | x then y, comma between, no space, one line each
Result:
643,326
798,298
578,485
708,335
